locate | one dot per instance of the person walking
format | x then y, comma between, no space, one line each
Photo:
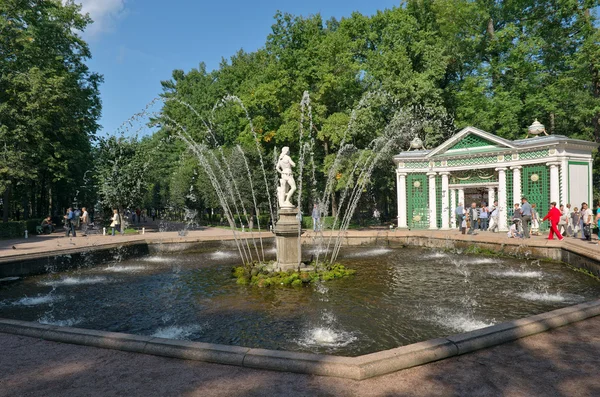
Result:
84,221
562,223
517,216
568,212
473,217
116,222
316,217
553,216
586,215
526,216
575,221
598,220
70,222
460,215
484,215
494,211
535,220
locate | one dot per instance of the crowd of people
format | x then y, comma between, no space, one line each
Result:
563,221
76,219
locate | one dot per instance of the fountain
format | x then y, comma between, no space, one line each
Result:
183,290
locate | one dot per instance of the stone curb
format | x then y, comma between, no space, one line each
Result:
361,367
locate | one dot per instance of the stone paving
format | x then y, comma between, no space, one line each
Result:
562,362
57,243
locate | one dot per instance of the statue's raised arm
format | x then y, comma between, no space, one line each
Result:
287,184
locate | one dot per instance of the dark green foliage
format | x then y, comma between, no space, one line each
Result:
49,106
447,63
16,229
12,229
493,65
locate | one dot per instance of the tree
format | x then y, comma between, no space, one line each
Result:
121,172
49,103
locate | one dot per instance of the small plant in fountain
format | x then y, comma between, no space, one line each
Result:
259,275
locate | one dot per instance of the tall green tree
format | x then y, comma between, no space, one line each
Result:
49,103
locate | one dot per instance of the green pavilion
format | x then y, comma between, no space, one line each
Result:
476,166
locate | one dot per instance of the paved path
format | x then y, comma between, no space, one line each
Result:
57,243
562,362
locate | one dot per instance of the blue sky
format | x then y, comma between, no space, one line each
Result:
137,43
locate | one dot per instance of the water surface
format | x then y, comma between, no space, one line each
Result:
397,297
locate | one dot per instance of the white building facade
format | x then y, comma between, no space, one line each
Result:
476,166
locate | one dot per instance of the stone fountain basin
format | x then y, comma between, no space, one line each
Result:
359,367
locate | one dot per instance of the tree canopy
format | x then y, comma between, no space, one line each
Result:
425,68
494,65
49,104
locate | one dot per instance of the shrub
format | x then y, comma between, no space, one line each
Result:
12,229
248,275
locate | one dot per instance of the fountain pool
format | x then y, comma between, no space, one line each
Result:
398,297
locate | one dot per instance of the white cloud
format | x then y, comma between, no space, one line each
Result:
104,13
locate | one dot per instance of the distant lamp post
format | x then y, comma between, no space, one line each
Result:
536,129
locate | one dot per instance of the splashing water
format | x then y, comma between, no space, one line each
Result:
327,337
125,269
549,297
222,255
404,125
459,322
516,273
369,252
158,259
39,300
436,255
178,332
68,281
49,319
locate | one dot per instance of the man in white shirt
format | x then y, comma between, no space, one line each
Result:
85,221
587,216
494,217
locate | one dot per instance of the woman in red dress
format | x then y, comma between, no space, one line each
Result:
554,216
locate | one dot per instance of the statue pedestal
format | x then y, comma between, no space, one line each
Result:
286,238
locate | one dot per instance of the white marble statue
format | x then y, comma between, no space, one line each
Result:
284,167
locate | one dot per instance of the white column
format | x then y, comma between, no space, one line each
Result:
502,200
554,183
402,203
563,180
432,201
461,196
452,208
445,201
491,195
516,184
